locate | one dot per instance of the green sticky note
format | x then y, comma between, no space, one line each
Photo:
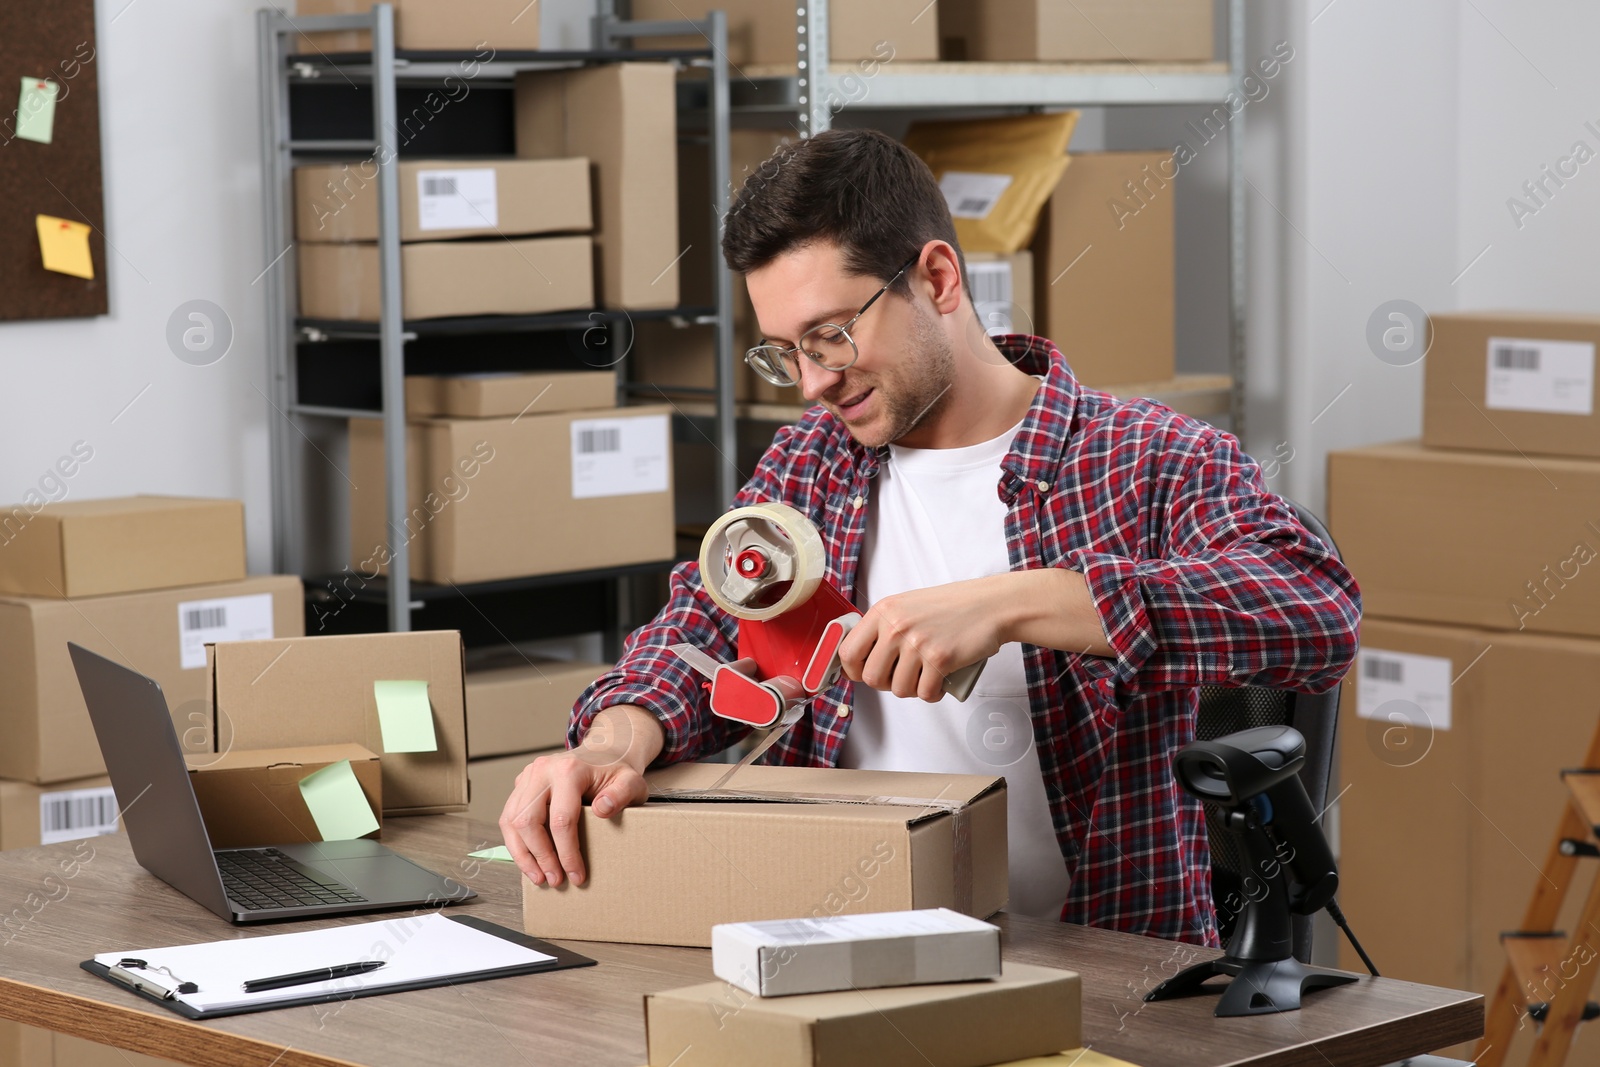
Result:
498,852
405,716
338,806
36,110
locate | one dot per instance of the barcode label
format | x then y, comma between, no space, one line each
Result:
1407,683
620,457
205,618
992,288
464,199
229,618
1382,669
600,439
1513,357
972,195
1534,374
70,814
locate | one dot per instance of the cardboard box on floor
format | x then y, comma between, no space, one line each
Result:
623,117
445,198
502,498
789,842
478,26
319,691
82,548
48,736
1470,538
718,1025
33,815
767,31
1112,31
493,779
1441,825
250,798
527,276
525,707
1516,382
1104,268
22,1045
509,395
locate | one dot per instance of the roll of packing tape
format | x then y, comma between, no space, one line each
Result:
782,534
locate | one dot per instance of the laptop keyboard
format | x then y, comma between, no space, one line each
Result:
263,878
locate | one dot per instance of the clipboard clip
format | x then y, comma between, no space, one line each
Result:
122,971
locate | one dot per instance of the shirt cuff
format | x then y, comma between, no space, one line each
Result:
666,704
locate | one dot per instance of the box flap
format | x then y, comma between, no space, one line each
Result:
937,793
303,755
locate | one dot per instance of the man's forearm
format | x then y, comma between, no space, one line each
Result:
624,733
1051,608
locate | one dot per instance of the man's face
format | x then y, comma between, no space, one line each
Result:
906,362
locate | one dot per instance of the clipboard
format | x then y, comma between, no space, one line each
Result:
563,959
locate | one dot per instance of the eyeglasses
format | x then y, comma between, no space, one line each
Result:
829,345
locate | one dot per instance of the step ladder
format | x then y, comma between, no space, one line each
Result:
1549,974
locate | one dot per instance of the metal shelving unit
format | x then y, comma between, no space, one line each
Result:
385,70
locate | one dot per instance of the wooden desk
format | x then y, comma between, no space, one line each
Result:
594,1015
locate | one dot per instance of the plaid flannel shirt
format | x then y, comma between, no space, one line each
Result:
1200,576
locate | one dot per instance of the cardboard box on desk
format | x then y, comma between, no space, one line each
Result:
445,198
82,548
525,707
478,26
622,117
319,691
250,798
1444,820
1113,31
1027,1011
1470,538
767,31
1104,267
493,779
503,498
509,395
162,633
45,815
1512,382
783,842
526,276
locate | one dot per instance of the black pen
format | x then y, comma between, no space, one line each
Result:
321,974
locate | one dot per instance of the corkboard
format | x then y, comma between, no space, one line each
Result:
53,40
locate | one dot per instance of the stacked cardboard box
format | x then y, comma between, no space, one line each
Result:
1106,31
148,581
1480,646
443,206
484,27
523,488
766,32
515,713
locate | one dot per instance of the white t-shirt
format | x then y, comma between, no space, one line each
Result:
936,517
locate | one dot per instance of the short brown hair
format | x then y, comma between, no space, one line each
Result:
860,189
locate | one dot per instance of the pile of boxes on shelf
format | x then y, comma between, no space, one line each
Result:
1475,549
585,216
514,475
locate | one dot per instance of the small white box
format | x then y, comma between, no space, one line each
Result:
892,948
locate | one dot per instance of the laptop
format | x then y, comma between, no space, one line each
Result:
242,885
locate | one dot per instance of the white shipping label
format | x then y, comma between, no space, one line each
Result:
457,199
972,195
1387,676
992,295
1529,374
69,814
619,457
229,618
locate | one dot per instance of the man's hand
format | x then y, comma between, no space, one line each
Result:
540,819
908,644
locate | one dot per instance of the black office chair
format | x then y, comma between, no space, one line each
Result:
1224,710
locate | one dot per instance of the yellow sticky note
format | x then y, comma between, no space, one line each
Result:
64,244
338,806
405,716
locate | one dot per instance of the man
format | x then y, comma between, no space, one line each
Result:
1105,557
